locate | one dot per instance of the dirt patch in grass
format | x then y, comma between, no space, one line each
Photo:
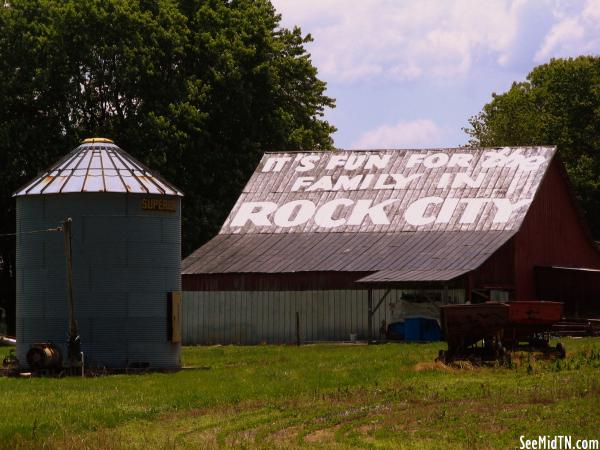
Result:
422,366
322,435
285,435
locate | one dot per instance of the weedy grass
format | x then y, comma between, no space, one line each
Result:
326,396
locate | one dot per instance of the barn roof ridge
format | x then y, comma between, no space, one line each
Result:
392,149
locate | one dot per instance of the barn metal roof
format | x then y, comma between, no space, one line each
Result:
405,215
413,186
413,275
98,165
438,253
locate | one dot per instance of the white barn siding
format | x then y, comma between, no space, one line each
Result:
255,317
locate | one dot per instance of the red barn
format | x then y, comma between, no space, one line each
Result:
324,245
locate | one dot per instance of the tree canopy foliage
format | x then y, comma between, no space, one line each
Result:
558,104
196,89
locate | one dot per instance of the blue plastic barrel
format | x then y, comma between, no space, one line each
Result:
421,329
395,331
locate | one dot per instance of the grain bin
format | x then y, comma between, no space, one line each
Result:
126,253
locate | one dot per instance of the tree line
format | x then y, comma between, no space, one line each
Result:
558,104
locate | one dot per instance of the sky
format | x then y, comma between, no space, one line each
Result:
410,73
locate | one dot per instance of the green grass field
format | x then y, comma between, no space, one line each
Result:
328,396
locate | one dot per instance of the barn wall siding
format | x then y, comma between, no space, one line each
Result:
498,271
245,317
552,234
578,289
297,281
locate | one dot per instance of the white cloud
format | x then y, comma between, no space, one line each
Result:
406,58
402,40
357,40
419,133
577,32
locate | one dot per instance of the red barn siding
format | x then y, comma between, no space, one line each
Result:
298,281
552,234
498,271
578,289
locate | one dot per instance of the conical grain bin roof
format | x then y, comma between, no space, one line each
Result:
98,165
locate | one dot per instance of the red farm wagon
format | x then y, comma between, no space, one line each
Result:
489,331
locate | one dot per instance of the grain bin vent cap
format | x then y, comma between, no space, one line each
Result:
98,165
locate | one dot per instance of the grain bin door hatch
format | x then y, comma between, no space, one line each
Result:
174,316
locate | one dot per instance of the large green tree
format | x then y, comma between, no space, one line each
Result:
558,104
196,89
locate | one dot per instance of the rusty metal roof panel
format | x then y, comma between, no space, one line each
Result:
354,252
98,166
224,254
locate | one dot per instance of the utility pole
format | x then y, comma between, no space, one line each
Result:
74,344
370,315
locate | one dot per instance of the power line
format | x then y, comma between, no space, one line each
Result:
32,232
59,228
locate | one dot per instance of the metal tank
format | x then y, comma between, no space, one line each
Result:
126,254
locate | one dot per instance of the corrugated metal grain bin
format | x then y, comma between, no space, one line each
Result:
126,253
